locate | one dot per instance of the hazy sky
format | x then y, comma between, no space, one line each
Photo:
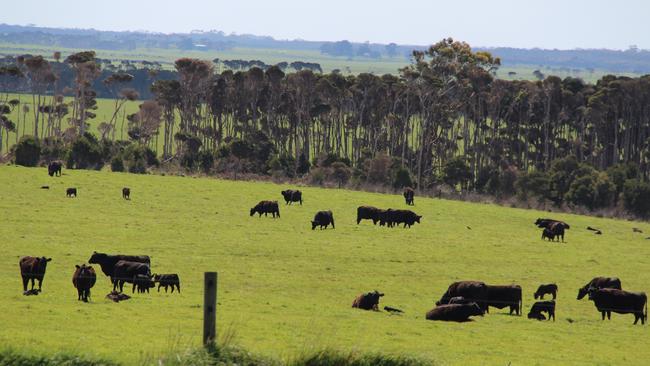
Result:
518,23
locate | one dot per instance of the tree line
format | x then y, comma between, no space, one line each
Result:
445,119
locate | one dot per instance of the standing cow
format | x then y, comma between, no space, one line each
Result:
107,262
504,296
368,301
323,219
125,271
142,283
291,195
474,291
555,228
550,289
598,283
369,213
266,207
166,280
84,279
54,168
33,268
607,300
409,194
126,193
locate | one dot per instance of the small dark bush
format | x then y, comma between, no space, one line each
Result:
28,151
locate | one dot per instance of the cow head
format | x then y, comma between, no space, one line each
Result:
374,296
252,211
476,310
584,291
97,258
537,295
314,224
156,277
417,218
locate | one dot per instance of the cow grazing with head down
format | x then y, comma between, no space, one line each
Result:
84,279
409,194
607,300
598,283
392,218
54,168
126,193
547,289
291,195
369,213
33,268
166,280
368,301
504,296
71,192
542,307
107,262
266,207
474,291
323,219
454,312
125,271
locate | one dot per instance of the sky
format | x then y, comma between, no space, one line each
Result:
561,24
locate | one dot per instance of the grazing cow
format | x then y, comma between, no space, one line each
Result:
409,194
550,289
546,223
392,310
369,213
126,193
474,291
554,226
107,262
542,307
84,279
607,300
395,217
125,271
117,297
504,296
292,196
142,283
598,283
548,234
455,312
368,301
266,207
166,280
459,300
54,168
33,268
71,192
323,219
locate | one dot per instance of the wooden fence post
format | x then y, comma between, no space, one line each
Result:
210,308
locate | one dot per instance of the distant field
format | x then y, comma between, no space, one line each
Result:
284,288
273,56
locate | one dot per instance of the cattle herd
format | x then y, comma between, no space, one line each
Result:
462,300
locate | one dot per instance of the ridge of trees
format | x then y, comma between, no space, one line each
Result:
445,120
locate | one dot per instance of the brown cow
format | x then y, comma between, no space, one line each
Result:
368,301
369,213
607,300
33,268
471,290
84,279
504,296
598,283
542,290
266,207
409,194
454,312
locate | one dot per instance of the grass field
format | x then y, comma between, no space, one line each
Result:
285,289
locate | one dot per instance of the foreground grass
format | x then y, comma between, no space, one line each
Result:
286,290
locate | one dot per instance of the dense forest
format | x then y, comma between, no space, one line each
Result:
444,120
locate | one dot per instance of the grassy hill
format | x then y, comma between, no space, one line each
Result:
285,289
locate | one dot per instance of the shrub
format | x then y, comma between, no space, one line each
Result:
636,197
28,151
379,170
402,178
534,184
340,173
457,172
206,160
53,148
117,164
85,153
303,165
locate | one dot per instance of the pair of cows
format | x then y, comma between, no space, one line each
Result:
33,269
387,217
552,229
608,296
471,298
322,219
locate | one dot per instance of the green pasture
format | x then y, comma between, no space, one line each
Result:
285,289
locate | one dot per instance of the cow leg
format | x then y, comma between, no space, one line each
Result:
166,288
33,282
133,288
159,284
25,281
609,315
178,287
121,285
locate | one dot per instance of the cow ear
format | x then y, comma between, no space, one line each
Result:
77,266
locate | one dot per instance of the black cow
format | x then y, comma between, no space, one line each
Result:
542,306
84,279
542,290
107,262
323,219
607,300
474,291
33,268
142,283
266,207
555,228
291,195
368,301
392,217
54,168
71,192
548,234
166,280
125,271
454,312
126,193
598,283
117,296
504,296
369,213
409,194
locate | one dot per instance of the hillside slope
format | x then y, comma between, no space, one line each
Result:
284,288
